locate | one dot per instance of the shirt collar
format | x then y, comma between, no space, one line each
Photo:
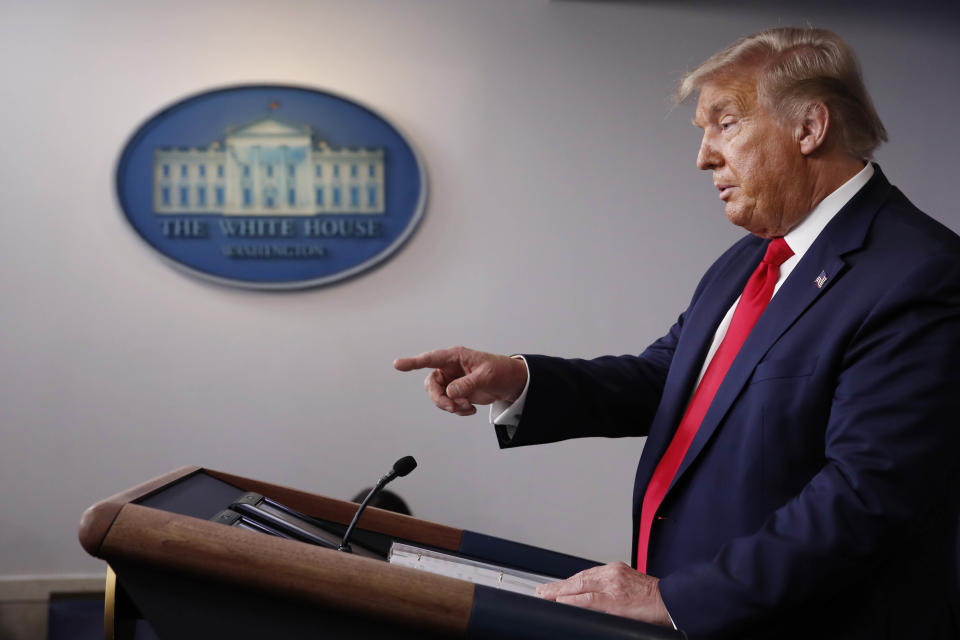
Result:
802,236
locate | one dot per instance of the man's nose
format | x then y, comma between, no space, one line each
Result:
708,157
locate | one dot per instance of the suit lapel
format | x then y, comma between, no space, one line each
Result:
794,297
845,233
700,323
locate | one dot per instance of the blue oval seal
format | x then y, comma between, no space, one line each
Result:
271,186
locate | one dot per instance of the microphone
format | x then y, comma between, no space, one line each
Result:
401,467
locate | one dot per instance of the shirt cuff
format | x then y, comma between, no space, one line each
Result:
506,414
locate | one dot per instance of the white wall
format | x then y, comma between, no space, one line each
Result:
565,217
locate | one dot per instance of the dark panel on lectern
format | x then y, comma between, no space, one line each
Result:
198,495
182,607
502,615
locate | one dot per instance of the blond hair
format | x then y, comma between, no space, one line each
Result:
794,67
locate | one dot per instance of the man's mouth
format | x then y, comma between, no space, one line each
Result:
725,190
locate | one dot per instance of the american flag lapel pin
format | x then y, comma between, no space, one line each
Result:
821,279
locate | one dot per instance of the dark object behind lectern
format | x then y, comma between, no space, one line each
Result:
175,573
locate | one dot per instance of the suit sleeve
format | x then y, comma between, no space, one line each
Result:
890,461
610,396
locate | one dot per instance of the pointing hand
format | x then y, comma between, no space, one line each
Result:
461,377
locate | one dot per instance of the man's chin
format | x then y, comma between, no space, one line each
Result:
744,220
737,216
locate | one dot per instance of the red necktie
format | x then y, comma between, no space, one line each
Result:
756,295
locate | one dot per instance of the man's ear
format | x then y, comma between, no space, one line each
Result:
813,128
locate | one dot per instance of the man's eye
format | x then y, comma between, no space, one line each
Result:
726,125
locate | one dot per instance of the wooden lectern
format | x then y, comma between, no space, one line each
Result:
176,574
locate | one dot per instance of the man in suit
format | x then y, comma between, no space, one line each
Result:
803,415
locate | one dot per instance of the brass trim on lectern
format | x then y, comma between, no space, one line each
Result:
110,605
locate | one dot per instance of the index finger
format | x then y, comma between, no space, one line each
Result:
571,586
588,580
432,359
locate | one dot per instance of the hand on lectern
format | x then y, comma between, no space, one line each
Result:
462,378
613,588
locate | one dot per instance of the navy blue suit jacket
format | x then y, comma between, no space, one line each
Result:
819,497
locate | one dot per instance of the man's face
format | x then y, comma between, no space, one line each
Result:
756,162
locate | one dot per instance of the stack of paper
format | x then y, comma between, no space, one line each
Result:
466,569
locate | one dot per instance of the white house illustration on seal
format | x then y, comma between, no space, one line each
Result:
268,168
